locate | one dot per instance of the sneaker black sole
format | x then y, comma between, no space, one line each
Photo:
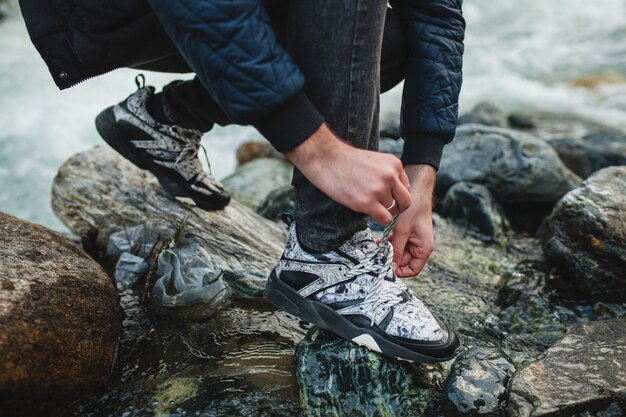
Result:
176,186
319,314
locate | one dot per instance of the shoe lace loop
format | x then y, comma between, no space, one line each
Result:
379,261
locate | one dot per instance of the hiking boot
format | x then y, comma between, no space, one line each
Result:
169,152
353,292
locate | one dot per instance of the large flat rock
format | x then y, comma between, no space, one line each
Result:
100,189
582,375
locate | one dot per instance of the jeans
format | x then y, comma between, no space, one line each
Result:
349,51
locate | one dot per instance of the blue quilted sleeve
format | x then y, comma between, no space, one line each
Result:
233,49
435,29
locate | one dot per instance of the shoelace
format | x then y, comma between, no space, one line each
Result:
380,295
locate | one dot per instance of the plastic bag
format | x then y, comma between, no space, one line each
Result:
136,240
187,277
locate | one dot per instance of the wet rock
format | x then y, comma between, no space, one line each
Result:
484,113
339,378
587,236
255,150
473,206
99,189
60,320
279,201
593,151
528,314
253,181
476,385
391,146
513,165
521,121
461,278
390,126
582,375
583,145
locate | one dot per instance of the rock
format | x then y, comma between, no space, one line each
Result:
253,181
473,206
255,150
583,145
476,385
461,278
339,378
587,236
521,121
582,375
282,200
528,314
60,320
390,126
99,189
484,113
595,150
513,165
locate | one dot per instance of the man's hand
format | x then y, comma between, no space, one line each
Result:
413,238
365,181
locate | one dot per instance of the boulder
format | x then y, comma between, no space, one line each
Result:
476,385
473,206
339,378
514,166
255,150
582,375
586,236
583,145
484,113
100,189
253,181
60,320
282,200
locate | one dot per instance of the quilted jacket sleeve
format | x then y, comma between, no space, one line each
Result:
232,47
435,29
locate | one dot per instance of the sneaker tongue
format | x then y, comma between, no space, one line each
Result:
362,243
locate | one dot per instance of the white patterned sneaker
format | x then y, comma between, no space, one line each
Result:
353,292
170,152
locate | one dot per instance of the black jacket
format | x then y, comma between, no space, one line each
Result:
251,76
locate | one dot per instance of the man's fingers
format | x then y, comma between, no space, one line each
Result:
398,241
401,194
380,214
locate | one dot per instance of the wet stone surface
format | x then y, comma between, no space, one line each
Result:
338,378
587,237
582,375
473,206
513,165
476,385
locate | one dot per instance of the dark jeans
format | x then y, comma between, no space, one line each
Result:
350,51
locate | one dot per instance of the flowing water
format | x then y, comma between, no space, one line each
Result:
520,54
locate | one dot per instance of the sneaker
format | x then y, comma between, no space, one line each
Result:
170,152
353,292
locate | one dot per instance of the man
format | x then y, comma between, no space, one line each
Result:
251,60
